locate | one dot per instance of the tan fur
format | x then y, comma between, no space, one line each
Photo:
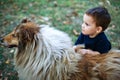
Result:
99,67
47,54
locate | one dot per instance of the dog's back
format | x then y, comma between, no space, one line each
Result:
98,67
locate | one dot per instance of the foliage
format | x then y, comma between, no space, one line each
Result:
65,15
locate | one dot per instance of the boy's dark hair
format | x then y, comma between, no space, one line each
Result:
101,16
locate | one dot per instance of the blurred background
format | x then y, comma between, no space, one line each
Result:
65,15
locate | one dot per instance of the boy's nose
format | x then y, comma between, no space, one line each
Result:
83,25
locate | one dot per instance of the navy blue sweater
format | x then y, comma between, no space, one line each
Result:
100,43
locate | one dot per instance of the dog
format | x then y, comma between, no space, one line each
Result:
45,53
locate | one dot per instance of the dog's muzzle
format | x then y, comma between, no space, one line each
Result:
5,44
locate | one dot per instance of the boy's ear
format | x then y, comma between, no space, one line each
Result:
99,29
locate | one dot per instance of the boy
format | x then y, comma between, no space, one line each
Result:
95,21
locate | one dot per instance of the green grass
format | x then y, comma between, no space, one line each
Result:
58,12
65,15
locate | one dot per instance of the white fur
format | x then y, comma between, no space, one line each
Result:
52,60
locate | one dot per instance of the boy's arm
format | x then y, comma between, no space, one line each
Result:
80,50
87,51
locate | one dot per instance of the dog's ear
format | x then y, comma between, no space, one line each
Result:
27,33
25,20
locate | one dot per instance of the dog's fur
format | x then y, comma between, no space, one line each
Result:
44,53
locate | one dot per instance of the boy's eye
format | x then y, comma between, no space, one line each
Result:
87,24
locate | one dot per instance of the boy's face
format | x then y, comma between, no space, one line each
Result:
89,26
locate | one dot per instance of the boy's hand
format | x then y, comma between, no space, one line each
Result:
83,51
78,47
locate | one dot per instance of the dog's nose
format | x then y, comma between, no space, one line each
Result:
1,40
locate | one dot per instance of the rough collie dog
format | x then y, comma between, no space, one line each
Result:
44,53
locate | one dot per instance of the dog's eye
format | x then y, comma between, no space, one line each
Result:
13,35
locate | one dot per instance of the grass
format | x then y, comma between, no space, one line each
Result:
65,15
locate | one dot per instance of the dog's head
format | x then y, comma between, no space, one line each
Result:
21,35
